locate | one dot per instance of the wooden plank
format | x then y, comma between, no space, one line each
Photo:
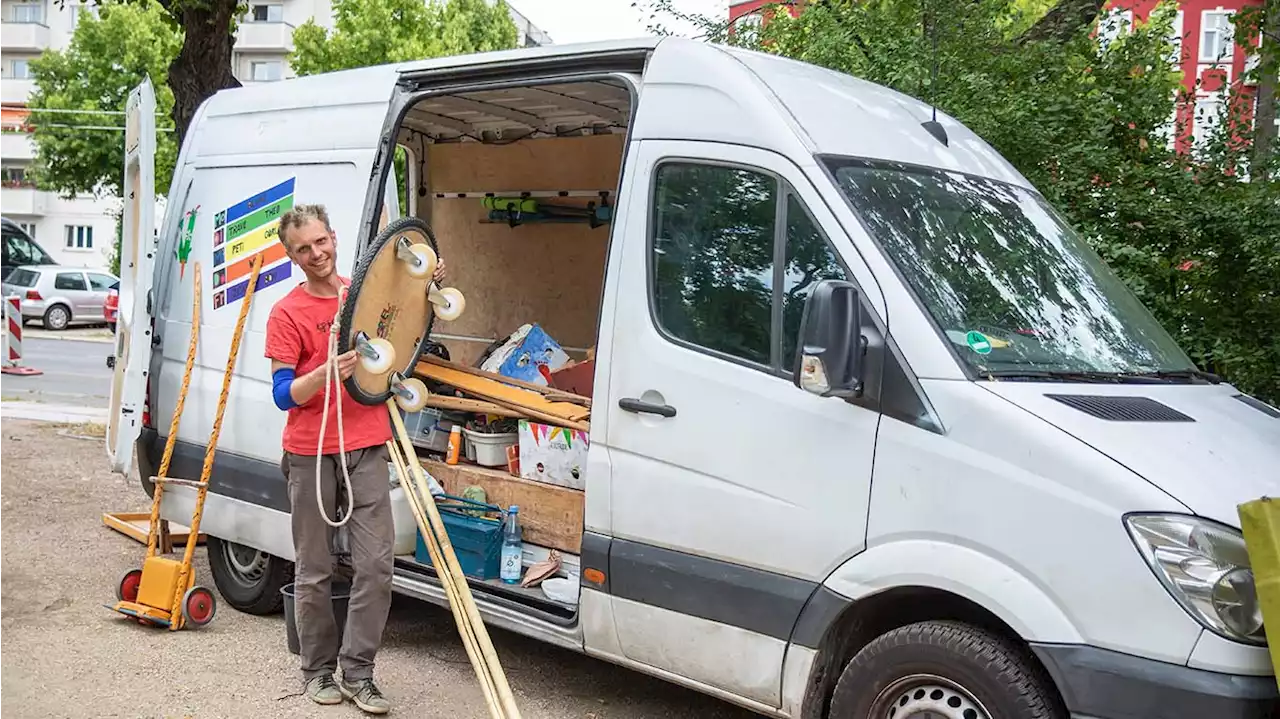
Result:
552,516
563,414
135,525
550,393
462,404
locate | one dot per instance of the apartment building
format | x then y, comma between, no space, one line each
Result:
81,231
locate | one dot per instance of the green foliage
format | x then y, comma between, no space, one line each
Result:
375,32
1090,128
106,59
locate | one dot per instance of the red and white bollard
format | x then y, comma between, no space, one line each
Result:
13,339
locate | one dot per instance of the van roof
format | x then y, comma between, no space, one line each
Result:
702,92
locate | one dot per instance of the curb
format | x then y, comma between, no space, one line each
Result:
63,337
58,413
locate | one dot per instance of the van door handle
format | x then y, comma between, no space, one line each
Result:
631,404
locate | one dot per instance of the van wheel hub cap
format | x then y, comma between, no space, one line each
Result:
924,696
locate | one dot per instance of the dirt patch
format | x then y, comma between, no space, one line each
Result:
66,655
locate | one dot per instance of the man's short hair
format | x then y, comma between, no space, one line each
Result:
301,215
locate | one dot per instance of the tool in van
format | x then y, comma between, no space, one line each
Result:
164,592
475,637
394,302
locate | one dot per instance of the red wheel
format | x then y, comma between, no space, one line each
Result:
198,606
129,584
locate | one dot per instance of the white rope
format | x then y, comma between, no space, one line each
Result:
331,371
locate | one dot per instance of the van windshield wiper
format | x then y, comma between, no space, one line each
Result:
1058,375
1179,374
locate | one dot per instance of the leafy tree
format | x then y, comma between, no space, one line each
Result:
374,32
1196,235
82,152
107,57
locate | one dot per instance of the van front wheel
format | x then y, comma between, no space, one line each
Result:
248,579
943,670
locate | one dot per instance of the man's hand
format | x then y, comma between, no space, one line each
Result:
438,276
347,364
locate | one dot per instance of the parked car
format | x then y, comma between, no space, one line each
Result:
60,296
111,307
19,249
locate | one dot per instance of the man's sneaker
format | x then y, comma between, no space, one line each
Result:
366,695
323,690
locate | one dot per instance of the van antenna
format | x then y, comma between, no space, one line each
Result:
933,127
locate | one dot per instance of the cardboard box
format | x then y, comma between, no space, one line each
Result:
554,455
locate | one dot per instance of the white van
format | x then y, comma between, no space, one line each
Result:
879,435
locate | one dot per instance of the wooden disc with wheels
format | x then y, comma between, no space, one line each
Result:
198,606
412,395
387,301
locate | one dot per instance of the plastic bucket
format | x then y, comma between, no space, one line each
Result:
341,593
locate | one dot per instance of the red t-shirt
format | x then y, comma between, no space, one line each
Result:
298,334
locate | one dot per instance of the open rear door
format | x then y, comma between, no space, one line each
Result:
137,257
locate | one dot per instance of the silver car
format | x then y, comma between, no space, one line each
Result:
59,295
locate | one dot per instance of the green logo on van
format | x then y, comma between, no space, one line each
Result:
978,342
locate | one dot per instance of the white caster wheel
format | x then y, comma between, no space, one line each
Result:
423,264
449,303
383,356
411,395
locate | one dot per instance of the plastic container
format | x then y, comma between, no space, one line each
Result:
489,450
402,517
341,594
429,429
477,541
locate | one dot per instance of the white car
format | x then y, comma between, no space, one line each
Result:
60,296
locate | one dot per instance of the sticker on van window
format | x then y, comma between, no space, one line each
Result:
243,231
978,342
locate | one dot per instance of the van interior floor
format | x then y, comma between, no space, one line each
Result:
518,186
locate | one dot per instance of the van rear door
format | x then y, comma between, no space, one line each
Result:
137,256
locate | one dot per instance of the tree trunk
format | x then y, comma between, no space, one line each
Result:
1264,117
203,66
1063,20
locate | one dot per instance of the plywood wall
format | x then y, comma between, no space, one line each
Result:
552,273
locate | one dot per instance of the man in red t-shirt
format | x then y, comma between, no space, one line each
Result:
297,344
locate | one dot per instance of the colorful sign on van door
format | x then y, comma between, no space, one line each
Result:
248,229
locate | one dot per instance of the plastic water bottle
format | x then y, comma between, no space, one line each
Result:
512,547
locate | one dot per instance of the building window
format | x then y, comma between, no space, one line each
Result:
20,69
1112,24
265,71
1205,121
78,9
27,13
1215,36
14,176
79,237
267,13
1175,56
29,228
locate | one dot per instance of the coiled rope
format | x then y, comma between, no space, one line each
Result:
331,373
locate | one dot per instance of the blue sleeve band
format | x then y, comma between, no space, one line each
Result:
281,382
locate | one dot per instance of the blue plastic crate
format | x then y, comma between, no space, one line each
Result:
477,541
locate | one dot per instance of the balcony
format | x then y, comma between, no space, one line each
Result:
23,200
274,37
13,90
28,36
16,146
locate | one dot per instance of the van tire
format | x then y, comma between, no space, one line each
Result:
953,664
253,592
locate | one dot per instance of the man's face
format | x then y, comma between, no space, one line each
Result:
313,248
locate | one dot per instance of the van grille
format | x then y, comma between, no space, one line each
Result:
1122,409
1259,405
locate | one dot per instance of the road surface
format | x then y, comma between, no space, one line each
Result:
75,372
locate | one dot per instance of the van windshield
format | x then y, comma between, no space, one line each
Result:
1011,286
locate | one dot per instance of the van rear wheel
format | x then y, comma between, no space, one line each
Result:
943,670
248,579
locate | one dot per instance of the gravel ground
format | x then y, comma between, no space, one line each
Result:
66,655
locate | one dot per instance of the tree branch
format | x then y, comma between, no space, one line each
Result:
1062,21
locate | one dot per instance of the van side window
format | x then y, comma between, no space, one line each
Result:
810,259
713,249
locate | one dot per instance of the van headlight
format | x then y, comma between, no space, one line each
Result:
1205,566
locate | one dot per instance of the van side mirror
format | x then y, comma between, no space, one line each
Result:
831,346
